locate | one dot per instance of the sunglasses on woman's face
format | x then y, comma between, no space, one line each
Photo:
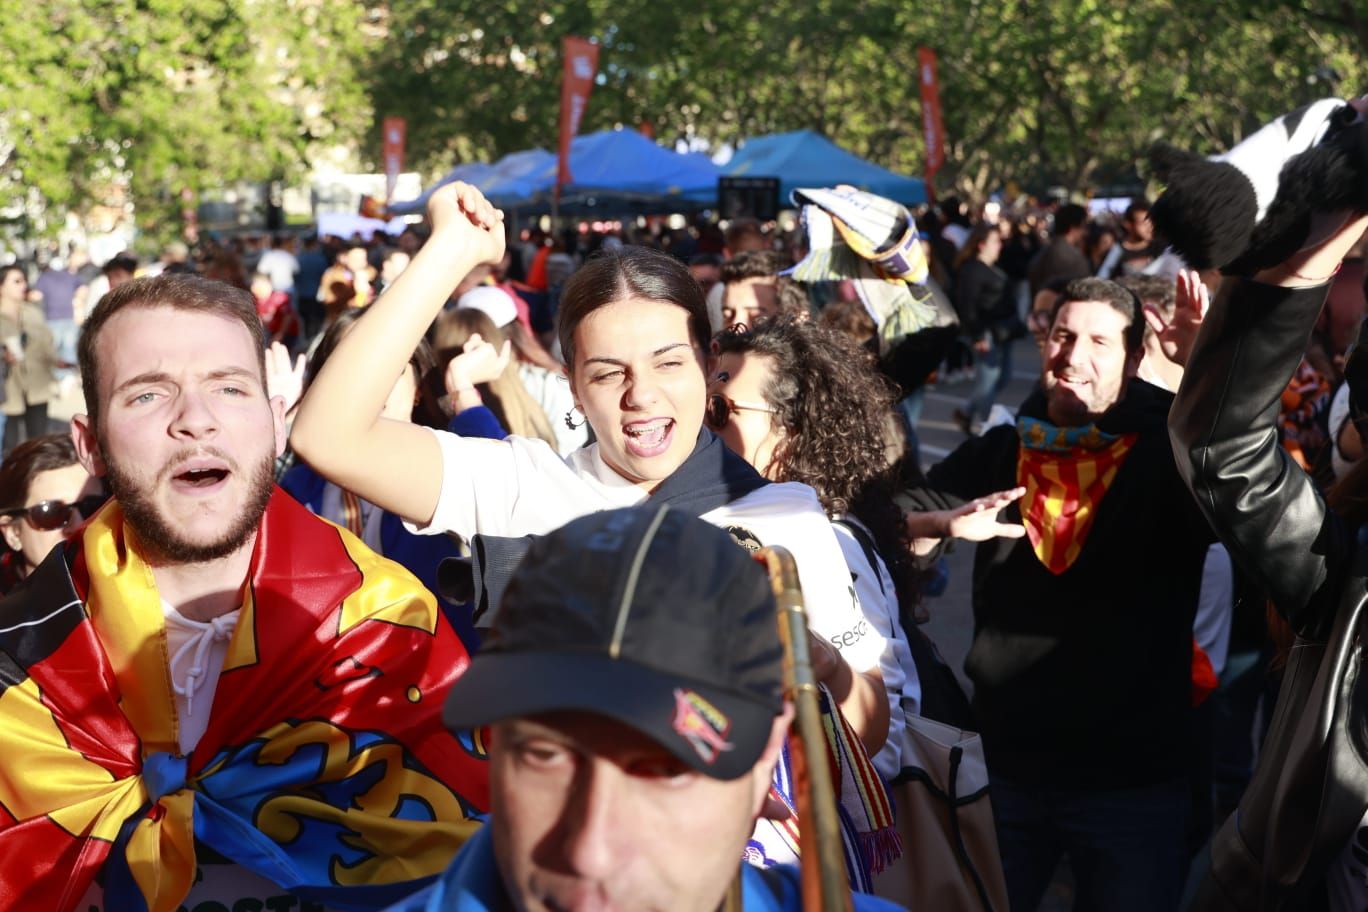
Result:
720,410
49,515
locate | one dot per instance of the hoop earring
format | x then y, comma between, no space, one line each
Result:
570,421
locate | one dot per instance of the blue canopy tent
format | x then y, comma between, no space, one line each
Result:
517,176
624,161
617,172
504,182
470,172
807,159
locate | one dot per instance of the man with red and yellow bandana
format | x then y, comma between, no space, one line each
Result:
1082,652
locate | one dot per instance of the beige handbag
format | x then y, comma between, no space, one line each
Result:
950,857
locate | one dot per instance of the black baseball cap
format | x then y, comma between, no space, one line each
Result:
647,615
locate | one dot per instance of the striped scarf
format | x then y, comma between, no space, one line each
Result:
870,839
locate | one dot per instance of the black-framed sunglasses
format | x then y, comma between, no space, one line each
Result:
55,514
720,408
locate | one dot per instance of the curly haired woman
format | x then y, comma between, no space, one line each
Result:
802,402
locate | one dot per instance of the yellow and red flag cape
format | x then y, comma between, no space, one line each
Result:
1066,472
325,767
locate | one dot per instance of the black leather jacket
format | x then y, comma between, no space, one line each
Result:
1311,785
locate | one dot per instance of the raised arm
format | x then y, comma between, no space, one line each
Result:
1261,504
339,430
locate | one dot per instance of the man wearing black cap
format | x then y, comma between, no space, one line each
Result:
633,684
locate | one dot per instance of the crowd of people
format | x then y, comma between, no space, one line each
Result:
416,571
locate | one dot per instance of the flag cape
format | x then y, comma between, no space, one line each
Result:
1066,472
325,767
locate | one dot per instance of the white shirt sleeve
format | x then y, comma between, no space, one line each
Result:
1215,607
514,486
1339,413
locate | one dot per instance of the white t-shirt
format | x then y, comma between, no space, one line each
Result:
196,650
218,887
1339,413
879,600
519,486
281,266
1215,607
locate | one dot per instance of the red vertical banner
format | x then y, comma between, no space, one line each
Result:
393,131
581,63
931,112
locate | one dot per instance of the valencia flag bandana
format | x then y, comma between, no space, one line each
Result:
1066,472
325,767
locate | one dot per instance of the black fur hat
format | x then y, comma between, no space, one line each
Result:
1256,205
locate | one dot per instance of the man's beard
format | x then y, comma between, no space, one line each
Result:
1066,409
164,540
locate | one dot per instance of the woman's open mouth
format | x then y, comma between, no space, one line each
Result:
648,438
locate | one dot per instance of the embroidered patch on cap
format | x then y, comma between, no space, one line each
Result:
701,724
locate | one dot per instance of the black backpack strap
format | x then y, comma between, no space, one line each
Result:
866,541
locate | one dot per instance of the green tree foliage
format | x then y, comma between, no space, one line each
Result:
1036,92
169,96
482,80
1044,93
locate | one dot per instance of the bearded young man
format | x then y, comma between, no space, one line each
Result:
1082,652
209,695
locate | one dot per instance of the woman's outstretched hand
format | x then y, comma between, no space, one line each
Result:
283,378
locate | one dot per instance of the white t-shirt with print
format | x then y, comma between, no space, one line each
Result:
879,601
519,486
